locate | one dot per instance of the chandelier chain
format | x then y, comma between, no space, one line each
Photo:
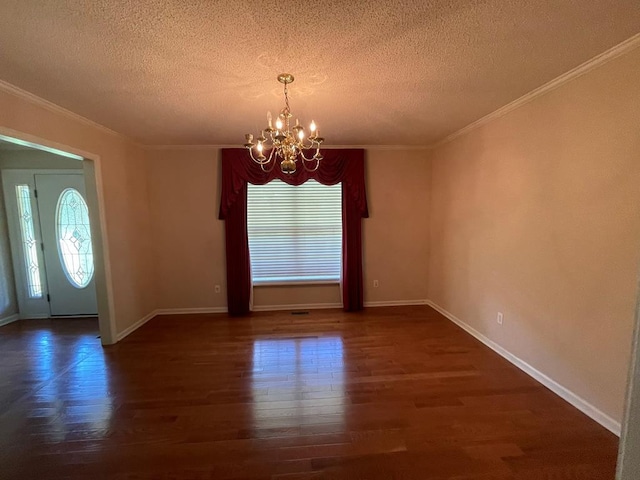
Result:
287,144
286,98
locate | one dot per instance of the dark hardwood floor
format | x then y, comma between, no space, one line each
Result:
391,393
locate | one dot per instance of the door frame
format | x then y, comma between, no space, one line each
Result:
92,169
28,308
628,467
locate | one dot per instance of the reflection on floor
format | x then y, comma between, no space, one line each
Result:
53,375
304,375
393,393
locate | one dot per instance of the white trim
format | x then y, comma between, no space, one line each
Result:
45,171
614,52
27,137
36,146
187,311
167,311
380,147
52,107
628,458
34,316
396,303
581,404
301,306
275,308
293,283
135,326
189,147
324,147
101,248
10,319
28,305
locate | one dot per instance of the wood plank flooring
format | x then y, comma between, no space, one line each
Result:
391,393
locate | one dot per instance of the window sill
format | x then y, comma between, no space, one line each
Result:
295,283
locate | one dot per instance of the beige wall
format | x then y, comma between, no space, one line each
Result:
128,241
396,236
537,214
189,240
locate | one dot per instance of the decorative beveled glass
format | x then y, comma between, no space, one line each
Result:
73,233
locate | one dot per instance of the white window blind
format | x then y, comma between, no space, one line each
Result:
295,233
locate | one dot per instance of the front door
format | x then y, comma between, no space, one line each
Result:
66,239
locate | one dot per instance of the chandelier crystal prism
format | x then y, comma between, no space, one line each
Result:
285,143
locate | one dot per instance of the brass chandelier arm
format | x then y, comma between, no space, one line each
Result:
273,164
304,165
284,141
313,158
264,160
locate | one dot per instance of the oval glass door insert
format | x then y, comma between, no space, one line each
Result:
74,238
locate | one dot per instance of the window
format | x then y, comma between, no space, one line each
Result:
74,238
29,243
295,233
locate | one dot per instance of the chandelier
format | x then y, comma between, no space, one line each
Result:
284,143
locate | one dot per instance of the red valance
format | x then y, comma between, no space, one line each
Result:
343,165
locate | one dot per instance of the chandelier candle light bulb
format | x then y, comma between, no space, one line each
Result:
284,144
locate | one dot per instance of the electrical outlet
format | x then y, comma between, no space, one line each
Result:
500,318
217,289
376,284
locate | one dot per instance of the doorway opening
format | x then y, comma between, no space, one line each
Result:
54,223
50,236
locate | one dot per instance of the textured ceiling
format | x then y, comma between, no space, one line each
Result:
368,72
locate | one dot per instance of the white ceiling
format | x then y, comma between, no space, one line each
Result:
368,72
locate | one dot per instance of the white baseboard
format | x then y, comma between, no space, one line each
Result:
187,311
581,404
34,316
396,303
9,319
302,306
167,311
575,400
135,326
275,308
316,306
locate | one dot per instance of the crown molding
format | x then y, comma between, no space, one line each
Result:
597,61
327,147
188,147
614,52
52,107
381,147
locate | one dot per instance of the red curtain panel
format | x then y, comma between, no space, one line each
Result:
343,165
